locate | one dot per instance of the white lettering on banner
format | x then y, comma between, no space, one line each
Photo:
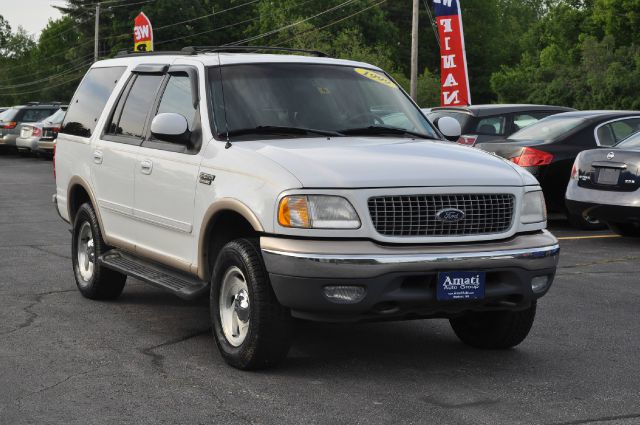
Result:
450,81
447,46
445,2
451,97
461,283
446,23
449,61
141,32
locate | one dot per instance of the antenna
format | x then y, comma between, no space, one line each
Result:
226,122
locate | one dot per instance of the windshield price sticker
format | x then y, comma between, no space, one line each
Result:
377,77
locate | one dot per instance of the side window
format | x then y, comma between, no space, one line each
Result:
90,99
612,133
625,128
491,125
177,98
523,120
130,117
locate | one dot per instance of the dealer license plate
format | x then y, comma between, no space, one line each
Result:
460,286
608,176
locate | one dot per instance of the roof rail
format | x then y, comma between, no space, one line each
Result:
192,50
122,53
33,103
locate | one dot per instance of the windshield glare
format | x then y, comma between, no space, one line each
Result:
309,96
630,142
548,128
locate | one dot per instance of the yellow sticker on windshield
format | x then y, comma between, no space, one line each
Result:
375,76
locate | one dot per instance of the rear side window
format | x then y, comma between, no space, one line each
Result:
612,133
35,115
525,119
90,99
131,116
491,126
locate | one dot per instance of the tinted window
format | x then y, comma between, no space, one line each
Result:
491,125
177,98
548,128
321,97
612,133
131,120
89,100
35,115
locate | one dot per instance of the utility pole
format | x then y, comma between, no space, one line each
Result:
97,30
414,50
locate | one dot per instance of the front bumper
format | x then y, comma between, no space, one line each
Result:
400,282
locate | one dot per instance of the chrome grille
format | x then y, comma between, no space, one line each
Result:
416,215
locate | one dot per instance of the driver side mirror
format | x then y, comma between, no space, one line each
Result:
450,128
171,127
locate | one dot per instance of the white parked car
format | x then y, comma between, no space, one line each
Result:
294,186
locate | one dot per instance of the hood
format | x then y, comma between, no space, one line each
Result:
359,162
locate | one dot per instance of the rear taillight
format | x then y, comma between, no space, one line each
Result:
467,140
574,172
9,125
532,158
36,132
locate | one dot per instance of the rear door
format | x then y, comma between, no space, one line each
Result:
166,175
115,152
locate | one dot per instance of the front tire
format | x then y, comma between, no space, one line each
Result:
494,330
94,281
251,328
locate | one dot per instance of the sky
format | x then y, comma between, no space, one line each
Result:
32,15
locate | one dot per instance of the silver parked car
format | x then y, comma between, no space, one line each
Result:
40,137
12,119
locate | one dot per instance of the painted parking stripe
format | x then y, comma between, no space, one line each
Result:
575,238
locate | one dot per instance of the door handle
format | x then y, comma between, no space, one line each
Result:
146,166
97,157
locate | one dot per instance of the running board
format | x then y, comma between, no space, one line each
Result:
184,286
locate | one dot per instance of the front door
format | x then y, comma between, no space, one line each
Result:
166,175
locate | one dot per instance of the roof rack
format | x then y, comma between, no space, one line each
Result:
192,50
122,53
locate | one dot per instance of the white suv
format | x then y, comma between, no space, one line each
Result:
294,186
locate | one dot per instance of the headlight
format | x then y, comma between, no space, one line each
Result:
534,209
317,212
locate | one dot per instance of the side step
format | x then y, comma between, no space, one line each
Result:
184,286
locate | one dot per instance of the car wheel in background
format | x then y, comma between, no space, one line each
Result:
630,230
251,328
494,330
94,281
585,223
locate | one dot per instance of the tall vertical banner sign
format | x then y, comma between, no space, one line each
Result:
142,34
454,75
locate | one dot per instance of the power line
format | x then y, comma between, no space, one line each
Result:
32,83
47,87
277,30
42,71
333,22
207,16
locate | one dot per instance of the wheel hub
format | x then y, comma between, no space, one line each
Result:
86,252
234,306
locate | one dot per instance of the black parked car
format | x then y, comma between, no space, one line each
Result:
605,185
549,147
484,123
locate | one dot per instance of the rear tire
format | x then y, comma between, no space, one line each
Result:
94,281
580,222
494,330
629,230
251,328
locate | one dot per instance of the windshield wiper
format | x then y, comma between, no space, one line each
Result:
375,130
274,129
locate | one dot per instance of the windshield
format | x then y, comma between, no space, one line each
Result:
55,118
310,100
548,128
630,142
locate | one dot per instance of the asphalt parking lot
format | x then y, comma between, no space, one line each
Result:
148,358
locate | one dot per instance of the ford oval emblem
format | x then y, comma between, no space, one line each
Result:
611,155
450,215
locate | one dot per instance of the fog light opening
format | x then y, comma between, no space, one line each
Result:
540,283
344,294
